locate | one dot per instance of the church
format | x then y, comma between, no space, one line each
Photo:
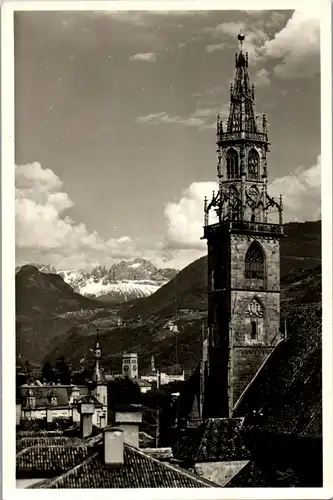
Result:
243,227
251,413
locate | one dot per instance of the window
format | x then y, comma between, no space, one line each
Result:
254,320
253,164
254,262
232,164
253,330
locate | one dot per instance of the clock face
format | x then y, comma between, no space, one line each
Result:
126,368
253,192
253,196
134,368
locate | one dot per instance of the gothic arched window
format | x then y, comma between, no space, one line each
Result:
253,330
253,164
232,164
254,319
255,262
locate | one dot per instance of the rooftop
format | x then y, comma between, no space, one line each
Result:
286,395
216,439
138,471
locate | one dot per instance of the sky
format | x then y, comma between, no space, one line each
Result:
115,127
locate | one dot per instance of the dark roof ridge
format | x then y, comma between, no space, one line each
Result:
318,409
176,469
241,397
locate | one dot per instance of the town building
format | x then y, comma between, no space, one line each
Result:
84,456
45,401
130,365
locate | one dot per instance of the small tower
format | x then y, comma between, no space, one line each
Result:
100,389
153,369
243,239
130,365
96,376
30,398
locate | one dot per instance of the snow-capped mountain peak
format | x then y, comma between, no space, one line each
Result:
125,280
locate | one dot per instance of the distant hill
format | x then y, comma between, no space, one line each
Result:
167,324
300,255
45,306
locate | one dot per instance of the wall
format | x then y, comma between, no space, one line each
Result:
248,353
235,355
220,472
239,245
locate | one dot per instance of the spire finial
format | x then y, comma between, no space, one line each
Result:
241,38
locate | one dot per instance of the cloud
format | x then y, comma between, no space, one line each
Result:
144,56
255,37
216,46
45,233
294,48
198,119
185,217
157,118
301,200
297,46
301,192
262,78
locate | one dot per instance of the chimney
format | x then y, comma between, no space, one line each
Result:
75,414
86,410
128,419
113,446
49,415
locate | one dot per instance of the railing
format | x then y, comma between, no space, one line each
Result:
236,136
260,227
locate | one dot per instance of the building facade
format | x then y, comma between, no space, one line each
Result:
243,239
40,401
130,365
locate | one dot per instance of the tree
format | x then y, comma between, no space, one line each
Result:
48,373
63,372
123,391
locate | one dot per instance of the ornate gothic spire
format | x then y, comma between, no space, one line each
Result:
241,114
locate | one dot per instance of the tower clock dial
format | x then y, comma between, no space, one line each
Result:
253,196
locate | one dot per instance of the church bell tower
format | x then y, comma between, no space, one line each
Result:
243,227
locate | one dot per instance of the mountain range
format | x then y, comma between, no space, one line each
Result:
123,281
165,324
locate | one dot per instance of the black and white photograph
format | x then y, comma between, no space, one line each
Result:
171,219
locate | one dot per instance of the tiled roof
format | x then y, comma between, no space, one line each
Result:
138,471
43,461
62,393
216,439
88,398
40,424
25,442
286,395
